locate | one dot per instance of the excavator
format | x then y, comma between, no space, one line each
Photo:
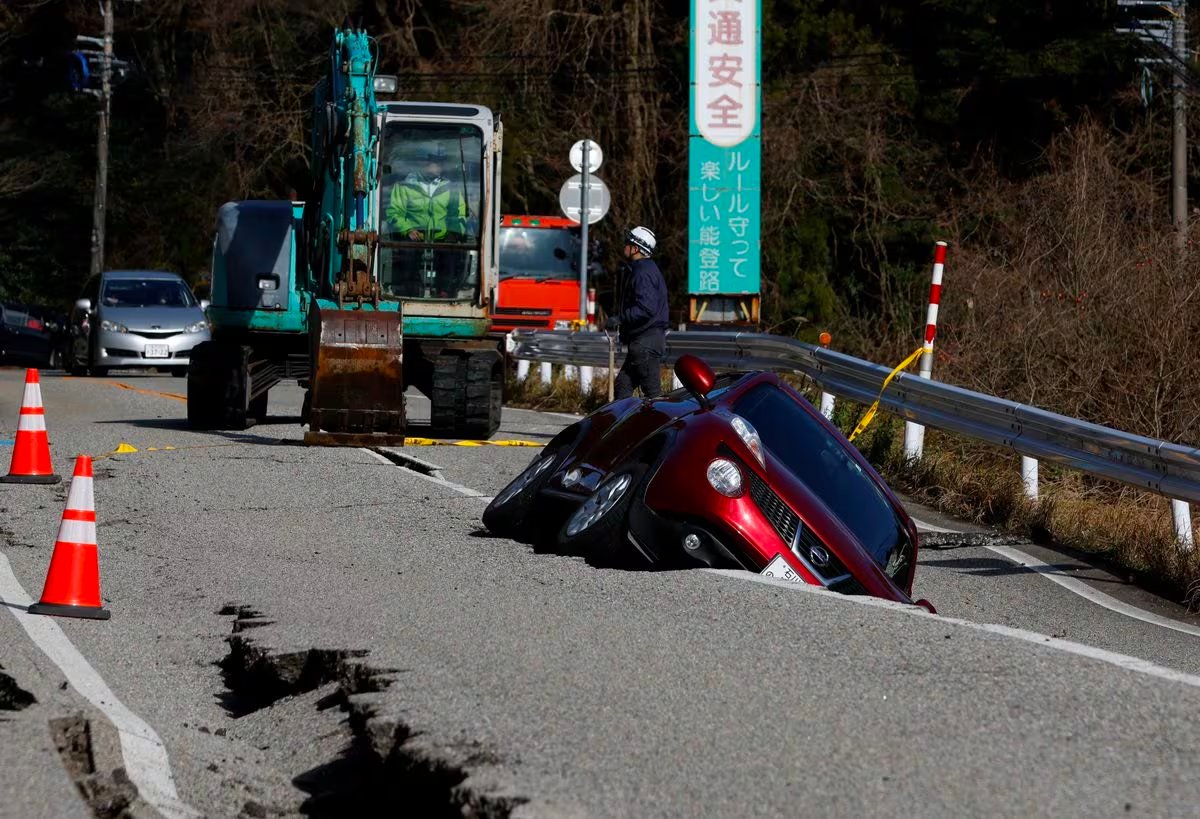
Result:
380,280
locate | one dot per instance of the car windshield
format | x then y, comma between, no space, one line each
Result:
539,253
146,293
810,453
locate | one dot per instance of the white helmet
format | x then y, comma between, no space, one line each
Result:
643,239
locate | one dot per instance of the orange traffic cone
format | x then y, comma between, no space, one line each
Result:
31,450
73,581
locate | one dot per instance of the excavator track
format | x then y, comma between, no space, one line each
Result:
467,394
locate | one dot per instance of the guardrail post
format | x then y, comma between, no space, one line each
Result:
522,369
1181,511
546,371
570,372
914,434
826,397
585,379
1029,477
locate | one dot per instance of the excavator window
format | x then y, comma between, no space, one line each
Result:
431,200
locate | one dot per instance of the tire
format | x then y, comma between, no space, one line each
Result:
258,408
98,372
603,540
216,387
508,515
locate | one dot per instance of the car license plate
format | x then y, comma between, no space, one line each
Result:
779,569
157,351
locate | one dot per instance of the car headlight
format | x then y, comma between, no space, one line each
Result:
198,327
113,327
725,477
749,436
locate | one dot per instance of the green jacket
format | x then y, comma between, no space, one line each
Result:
411,206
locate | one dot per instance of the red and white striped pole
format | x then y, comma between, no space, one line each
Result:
914,434
591,308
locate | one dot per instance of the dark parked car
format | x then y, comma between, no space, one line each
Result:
737,471
24,339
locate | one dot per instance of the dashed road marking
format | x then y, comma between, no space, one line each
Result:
174,396
145,756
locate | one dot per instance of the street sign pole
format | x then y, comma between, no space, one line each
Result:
584,218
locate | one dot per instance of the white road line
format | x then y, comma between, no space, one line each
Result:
1124,661
145,755
1075,585
929,527
563,415
1087,592
440,481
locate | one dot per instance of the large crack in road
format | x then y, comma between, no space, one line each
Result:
380,769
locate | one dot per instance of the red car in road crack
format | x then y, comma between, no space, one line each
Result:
734,471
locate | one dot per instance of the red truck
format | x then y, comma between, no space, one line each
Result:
539,274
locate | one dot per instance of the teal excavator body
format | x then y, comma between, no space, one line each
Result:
381,279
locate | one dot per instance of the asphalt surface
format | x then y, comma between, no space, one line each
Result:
372,618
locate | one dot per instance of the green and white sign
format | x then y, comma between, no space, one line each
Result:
725,148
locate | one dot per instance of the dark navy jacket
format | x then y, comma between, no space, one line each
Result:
643,302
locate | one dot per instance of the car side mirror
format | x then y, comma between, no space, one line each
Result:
204,303
84,305
696,376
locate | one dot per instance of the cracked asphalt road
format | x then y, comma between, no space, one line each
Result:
536,678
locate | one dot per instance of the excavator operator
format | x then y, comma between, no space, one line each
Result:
426,207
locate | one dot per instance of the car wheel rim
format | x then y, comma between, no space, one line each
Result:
523,480
599,504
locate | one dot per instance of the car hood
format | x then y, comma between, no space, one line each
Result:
153,318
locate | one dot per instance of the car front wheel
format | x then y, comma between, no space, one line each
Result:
508,515
598,529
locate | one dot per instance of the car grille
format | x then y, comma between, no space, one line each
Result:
155,333
833,570
773,508
117,352
521,311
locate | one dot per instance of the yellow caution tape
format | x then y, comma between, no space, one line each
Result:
869,415
436,442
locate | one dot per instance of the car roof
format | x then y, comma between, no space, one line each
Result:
141,274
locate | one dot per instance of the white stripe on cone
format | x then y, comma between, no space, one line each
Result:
33,396
81,498
31,423
77,531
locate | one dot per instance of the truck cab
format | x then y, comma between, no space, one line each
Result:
539,273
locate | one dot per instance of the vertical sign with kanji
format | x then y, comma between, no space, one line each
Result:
725,148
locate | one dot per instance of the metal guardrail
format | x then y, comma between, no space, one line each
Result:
1157,466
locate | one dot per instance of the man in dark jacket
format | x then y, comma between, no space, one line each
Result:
642,317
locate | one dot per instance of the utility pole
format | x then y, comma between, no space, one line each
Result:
1179,131
100,202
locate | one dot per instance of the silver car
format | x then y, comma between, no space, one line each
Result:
135,318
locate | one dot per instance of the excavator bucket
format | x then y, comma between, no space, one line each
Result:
356,393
